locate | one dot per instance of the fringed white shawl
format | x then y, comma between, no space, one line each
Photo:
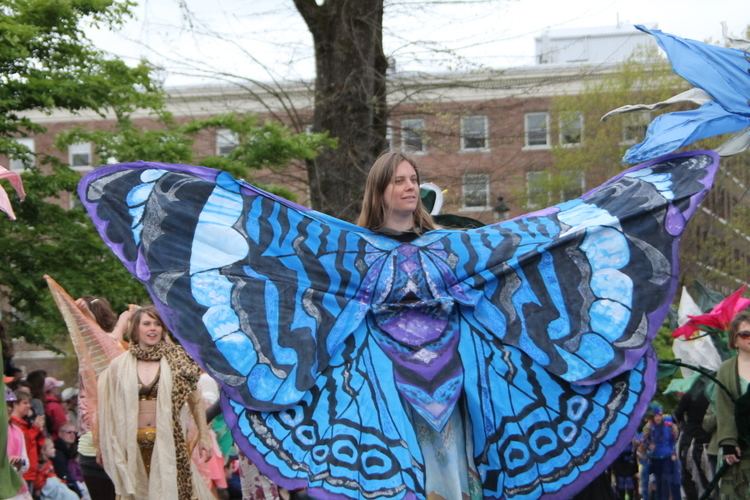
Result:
118,427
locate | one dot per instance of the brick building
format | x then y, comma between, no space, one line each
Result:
488,138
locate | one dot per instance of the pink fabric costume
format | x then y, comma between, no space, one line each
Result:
15,181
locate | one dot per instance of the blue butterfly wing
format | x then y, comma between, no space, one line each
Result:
349,436
273,300
582,287
536,435
262,292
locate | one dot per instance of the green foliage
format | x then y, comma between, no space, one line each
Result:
46,63
662,344
600,153
49,239
259,145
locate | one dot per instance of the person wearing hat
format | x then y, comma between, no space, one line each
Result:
660,438
53,407
69,398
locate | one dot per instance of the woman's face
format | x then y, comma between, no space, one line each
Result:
742,337
150,331
21,408
401,194
48,449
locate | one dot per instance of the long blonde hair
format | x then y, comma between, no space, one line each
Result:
381,174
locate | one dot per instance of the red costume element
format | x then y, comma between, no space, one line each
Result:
718,319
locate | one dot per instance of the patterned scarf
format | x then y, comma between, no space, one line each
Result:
185,375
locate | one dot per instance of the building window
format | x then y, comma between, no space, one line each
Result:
226,141
537,130
476,191
543,190
412,136
634,126
571,128
79,156
474,133
537,189
574,184
23,160
389,136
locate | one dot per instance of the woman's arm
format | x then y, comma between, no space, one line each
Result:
118,332
726,427
195,402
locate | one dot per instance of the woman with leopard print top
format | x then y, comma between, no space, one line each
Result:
144,452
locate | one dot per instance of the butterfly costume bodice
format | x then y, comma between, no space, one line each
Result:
418,331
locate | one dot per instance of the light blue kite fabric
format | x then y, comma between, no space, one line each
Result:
724,73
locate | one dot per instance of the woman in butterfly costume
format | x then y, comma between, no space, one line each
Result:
329,340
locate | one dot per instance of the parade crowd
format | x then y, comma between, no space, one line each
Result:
673,456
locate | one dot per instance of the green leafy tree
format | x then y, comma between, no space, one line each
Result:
644,78
714,245
48,64
708,246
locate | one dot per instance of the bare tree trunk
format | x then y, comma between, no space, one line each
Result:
349,98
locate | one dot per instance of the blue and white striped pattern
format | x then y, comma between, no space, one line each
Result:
545,320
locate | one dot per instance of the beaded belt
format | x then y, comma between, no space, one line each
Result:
146,438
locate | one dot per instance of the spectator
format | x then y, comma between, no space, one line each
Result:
69,399
16,446
66,459
690,413
47,484
642,456
15,374
234,485
36,381
625,468
733,411
33,433
53,407
660,438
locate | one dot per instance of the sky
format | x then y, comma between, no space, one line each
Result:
202,41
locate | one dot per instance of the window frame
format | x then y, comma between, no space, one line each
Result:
526,130
580,130
421,134
230,137
485,136
486,184
582,179
72,153
17,164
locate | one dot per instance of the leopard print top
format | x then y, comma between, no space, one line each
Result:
185,375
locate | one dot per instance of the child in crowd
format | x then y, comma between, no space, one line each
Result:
33,433
47,484
16,446
625,469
